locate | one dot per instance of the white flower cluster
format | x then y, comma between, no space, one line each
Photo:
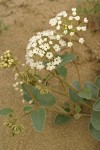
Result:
42,50
69,25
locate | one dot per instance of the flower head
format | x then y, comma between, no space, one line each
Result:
69,26
41,52
7,60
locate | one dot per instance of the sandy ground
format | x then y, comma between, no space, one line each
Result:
26,17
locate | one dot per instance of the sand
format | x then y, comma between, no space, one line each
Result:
25,18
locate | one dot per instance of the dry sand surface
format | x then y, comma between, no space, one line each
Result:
25,18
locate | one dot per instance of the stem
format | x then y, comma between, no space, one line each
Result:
66,82
77,69
86,115
70,86
86,105
57,92
59,110
70,103
62,85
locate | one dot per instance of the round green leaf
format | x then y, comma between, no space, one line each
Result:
96,106
94,90
85,93
38,119
95,133
62,119
6,111
95,120
45,99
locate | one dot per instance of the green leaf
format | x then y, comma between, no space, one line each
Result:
62,71
29,89
27,108
62,119
85,93
43,99
66,58
77,108
38,118
95,120
96,106
73,95
94,90
6,111
27,97
97,82
95,133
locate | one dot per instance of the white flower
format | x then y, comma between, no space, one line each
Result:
30,53
50,66
70,17
21,82
46,47
64,14
85,20
77,18
65,31
70,27
58,18
31,101
70,44
57,60
49,55
58,37
50,42
58,27
83,28
34,44
60,22
21,90
78,28
74,13
23,101
45,39
71,33
81,40
40,41
57,48
62,43
53,21
41,53
39,65
73,9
